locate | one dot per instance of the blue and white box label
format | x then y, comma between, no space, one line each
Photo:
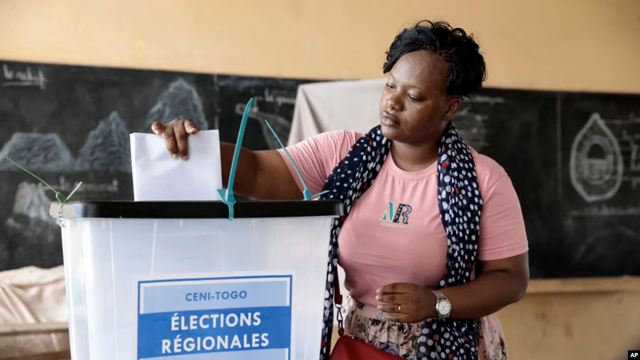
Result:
235,318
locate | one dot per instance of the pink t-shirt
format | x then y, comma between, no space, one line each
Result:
375,250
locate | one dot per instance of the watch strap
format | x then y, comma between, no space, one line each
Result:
439,295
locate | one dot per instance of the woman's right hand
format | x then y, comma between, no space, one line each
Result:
176,135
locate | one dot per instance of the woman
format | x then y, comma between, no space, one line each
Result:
418,269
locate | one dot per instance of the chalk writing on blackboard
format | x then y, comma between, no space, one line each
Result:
271,96
65,185
634,159
24,77
606,210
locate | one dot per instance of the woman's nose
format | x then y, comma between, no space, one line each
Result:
393,103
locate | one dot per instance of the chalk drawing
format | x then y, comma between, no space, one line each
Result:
32,202
31,234
596,165
37,152
107,147
179,101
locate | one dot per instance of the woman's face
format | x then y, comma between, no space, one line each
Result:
414,108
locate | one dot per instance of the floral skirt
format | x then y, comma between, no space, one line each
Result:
368,324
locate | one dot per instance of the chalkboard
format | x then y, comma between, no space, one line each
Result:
574,158
518,130
72,123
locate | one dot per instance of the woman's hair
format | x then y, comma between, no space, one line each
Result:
454,45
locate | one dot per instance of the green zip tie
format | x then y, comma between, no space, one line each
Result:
305,193
59,196
227,194
32,174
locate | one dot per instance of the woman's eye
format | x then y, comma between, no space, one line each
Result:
413,98
389,86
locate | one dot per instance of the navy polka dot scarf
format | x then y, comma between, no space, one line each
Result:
460,206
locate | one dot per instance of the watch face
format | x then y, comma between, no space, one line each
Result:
444,307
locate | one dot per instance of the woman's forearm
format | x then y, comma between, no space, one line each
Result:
485,295
244,182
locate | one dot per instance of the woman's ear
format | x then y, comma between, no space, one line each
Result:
453,104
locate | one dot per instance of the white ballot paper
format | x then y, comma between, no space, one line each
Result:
159,177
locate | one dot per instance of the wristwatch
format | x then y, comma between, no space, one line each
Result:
443,306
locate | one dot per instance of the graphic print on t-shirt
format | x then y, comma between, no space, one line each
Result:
394,217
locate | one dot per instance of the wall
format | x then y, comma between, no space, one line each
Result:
586,319
533,44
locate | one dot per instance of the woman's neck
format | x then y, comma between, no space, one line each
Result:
409,157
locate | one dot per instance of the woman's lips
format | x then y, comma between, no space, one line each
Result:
389,119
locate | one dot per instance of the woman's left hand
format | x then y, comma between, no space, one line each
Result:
406,303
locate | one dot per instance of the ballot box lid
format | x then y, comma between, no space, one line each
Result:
194,210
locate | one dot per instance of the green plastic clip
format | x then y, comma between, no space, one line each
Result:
227,194
63,200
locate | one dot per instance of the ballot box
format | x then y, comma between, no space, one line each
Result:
179,280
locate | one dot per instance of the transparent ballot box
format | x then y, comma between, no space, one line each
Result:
179,280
